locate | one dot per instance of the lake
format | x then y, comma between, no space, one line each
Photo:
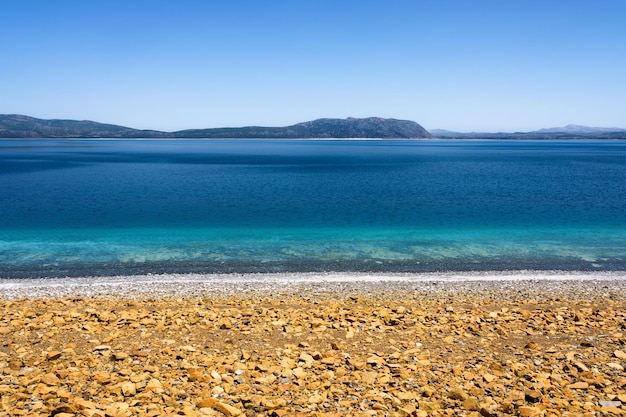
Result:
103,207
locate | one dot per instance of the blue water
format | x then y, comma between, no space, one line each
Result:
75,207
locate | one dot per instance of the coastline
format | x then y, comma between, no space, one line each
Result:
524,343
313,283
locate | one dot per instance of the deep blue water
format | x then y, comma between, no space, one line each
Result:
70,207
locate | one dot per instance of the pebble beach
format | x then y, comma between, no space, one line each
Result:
529,343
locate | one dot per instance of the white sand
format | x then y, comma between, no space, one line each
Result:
331,283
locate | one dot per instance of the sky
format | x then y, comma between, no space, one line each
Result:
463,65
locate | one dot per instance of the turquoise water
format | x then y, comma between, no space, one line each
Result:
123,207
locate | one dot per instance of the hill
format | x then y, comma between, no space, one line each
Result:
18,126
372,127
554,133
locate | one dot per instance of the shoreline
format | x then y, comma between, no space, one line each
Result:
523,343
323,284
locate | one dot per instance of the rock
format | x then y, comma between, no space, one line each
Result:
533,396
118,409
119,356
581,367
50,379
128,389
407,410
471,404
273,403
101,348
53,355
578,385
457,394
604,403
615,366
299,372
527,411
224,408
375,360
101,377
188,348
154,385
82,404
225,324
406,396
489,378
620,354
488,407
369,377
316,399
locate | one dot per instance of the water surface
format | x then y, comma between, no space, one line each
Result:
73,207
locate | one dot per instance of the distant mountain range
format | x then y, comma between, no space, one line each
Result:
18,126
565,132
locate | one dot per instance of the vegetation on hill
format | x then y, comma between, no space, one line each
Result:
18,126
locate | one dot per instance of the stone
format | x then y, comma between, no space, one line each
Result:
154,385
457,394
471,404
581,367
224,408
101,377
489,378
488,407
299,373
620,354
53,355
532,396
528,411
615,366
532,346
605,403
407,410
316,399
273,403
101,348
406,396
369,377
428,391
578,385
119,356
50,379
129,389
83,404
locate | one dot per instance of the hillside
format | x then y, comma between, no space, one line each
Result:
18,126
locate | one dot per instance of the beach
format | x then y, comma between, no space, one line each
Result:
529,343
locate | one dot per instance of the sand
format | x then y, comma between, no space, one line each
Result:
523,343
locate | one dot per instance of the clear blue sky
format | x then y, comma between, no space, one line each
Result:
468,65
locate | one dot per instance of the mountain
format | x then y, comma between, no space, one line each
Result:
565,132
372,127
18,126
579,130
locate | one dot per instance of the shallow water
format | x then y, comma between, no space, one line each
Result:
126,207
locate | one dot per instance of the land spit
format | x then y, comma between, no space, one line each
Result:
526,344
